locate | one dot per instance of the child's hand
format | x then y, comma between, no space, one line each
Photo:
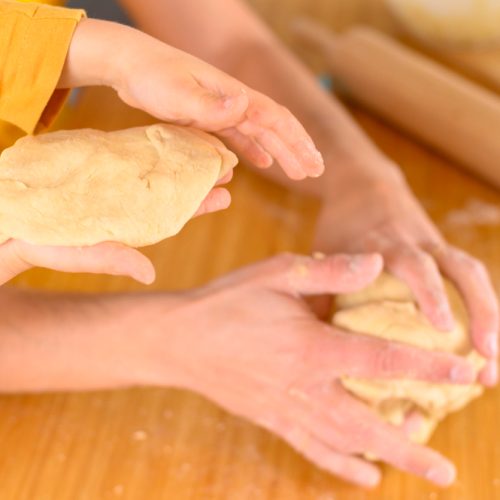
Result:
179,88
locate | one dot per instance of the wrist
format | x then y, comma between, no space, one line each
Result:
94,54
361,165
150,327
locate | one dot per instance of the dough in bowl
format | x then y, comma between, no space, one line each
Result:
386,309
81,187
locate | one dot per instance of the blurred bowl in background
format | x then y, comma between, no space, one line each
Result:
450,23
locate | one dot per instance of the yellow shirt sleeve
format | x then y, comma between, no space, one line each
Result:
34,41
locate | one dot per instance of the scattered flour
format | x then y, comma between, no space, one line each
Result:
474,213
139,435
118,490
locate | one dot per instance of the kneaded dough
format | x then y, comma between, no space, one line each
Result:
81,187
386,309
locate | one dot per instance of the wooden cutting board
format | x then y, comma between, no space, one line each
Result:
160,444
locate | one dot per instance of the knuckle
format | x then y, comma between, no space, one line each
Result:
424,260
256,114
278,266
470,264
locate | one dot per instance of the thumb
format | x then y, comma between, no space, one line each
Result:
340,273
108,258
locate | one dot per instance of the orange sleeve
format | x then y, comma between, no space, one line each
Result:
34,41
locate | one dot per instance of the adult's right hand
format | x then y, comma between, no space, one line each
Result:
250,342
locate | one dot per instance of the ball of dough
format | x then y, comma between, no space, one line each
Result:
82,187
451,22
386,309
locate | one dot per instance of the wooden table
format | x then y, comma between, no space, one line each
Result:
150,444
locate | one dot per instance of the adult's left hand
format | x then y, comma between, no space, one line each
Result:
385,217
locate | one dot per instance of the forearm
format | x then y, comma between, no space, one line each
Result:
53,342
244,47
350,156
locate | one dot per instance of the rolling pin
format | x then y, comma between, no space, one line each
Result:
441,108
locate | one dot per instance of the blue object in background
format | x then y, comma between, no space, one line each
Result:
326,81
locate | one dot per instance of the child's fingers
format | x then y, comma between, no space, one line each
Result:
265,117
246,148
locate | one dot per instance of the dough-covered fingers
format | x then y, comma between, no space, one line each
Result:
339,273
108,258
473,282
366,357
420,272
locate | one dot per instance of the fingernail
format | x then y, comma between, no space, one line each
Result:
462,374
320,161
355,262
443,476
492,345
268,161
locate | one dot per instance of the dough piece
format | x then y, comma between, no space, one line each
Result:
81,187
386,309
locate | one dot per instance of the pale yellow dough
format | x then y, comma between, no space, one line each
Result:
386,309
82,187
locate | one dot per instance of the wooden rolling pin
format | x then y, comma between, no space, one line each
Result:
444,110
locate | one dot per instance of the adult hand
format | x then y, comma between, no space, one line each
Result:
385,217
179,88
250,342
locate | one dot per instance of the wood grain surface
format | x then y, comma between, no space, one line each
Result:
149,444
